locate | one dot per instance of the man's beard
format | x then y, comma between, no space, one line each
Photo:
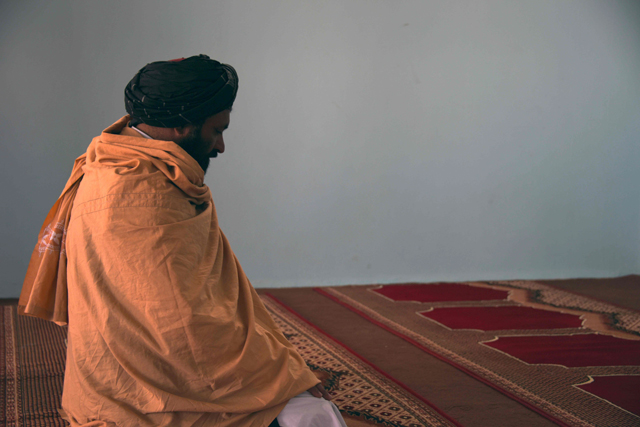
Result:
197,148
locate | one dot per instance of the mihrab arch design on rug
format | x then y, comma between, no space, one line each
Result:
571,358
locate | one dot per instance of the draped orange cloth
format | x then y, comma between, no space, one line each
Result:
44,292
164,327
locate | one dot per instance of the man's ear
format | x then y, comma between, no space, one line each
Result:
182,131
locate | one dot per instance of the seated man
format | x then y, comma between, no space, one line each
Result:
164,327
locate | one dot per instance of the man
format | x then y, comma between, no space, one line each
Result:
164,327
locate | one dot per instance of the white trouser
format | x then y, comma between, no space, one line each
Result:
305,410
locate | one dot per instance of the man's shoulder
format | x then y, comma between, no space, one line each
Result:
106,190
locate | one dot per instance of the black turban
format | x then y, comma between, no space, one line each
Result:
183,91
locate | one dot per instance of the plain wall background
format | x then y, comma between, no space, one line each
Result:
371,141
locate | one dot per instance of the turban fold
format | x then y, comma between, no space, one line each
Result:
180,92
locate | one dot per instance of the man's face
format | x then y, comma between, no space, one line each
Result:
206,141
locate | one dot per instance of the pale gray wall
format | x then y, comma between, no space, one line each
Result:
371,141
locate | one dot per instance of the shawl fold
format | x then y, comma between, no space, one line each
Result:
44,291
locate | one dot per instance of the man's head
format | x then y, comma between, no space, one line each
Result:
203,141
187,101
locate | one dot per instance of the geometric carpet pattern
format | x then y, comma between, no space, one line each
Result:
364,395
570,358
32,372
32,361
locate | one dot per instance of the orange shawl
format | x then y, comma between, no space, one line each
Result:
164,327
44,292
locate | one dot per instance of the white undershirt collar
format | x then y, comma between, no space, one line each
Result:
140,132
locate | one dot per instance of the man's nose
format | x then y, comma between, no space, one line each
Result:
219,144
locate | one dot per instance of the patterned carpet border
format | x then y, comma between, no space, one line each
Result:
379,399
10,372
620,318
504,373
34,360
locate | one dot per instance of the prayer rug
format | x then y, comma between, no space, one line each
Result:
578,366
32,360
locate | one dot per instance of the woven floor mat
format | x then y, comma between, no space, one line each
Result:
556,362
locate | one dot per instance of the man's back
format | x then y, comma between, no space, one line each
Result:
151,278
